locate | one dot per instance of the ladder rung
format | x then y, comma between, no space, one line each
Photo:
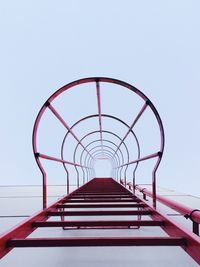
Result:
97,241
126,223
99,213
100,200
105,193
138,205
102,197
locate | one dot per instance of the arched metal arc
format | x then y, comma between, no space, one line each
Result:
107,116
108,154
83,150
124,146
118,82
118,159
89,159
91,153
102,151
108,132
113,161
99,153
105,140
106,80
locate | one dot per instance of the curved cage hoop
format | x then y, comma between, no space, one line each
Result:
99,143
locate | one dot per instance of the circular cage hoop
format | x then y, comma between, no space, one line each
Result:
103,131
97,81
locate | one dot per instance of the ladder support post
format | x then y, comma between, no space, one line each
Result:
195,227
44,191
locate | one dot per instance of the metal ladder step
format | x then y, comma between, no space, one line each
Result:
99,213
113,223
99,200
102,197
88,206
97,241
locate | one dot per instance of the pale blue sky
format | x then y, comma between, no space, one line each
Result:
153,45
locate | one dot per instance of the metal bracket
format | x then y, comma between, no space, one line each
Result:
195,224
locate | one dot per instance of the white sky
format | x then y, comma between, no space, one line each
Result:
154,45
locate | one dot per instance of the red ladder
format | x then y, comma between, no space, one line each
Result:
100,193
103,197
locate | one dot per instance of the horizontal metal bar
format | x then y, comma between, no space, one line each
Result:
79,206
97,223
99,213
151,156
102,194
22,230
98,200
59,160
102,197
25,228
97,241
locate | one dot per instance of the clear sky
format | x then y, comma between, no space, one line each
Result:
153,45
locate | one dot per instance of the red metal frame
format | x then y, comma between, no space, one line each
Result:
103,131
188,213
93,190
133,124
104,193
97,81
99,111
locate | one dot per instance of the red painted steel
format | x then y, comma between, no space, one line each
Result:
182,209
22,230
103,131
100,241
89,172
133,124
65,125
99,213
103,196
25,228
99,110
43,156
141,159
91,206
101,223
177,236
107,200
